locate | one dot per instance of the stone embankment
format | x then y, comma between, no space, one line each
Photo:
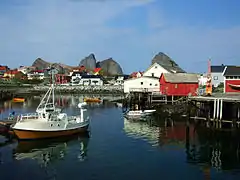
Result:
81,89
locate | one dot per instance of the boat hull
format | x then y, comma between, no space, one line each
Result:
33,135
92,100
18,100
235,87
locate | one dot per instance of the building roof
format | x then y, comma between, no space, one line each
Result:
12,72
170,68
180,78
134,74
174,69
97,70
3,68
232,71
79,72
142,77
217,69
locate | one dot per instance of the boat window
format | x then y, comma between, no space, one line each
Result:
43,115
51,125
49,110
58,125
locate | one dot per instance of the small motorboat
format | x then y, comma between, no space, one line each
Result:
139,113
95,100
18,99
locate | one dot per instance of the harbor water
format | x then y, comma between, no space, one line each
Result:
117,148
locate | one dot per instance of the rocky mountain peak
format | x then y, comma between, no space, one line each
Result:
89,62
166,62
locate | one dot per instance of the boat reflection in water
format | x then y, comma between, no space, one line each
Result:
49,150
142,130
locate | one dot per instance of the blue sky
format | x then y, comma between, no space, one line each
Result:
129,31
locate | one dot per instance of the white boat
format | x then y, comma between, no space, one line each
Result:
49,121
139,113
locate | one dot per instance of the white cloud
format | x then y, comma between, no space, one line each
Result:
52,29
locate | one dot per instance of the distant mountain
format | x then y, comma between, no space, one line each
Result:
42,64
89,62
109,66
167,63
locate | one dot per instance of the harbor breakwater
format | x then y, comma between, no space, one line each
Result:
79,89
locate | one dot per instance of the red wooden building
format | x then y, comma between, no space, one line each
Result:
178,84
231,79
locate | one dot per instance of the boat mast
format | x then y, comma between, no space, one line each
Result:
52,85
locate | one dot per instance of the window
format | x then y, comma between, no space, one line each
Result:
175,85
150,84
94,82
152,74
141,83
215,77
155,67
155,84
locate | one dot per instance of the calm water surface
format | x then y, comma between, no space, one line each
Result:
120,149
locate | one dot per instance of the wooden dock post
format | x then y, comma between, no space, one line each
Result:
221,113
218,108
207,111
214,108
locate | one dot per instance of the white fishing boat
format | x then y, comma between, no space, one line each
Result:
49,121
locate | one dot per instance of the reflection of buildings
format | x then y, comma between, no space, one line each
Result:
48,151
204,147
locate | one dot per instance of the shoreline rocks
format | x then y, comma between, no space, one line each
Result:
81,89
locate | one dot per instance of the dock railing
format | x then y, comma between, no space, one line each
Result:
27,116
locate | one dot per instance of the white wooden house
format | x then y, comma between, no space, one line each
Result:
155,70
150,78
141,84
36,74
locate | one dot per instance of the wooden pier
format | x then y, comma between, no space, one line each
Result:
217,109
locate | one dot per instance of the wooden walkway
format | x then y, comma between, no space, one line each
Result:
221,96
218,108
